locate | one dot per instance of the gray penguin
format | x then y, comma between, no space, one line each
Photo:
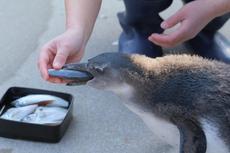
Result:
173,92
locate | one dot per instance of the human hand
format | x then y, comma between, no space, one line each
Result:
193,17
65,48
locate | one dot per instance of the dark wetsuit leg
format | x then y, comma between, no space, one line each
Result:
141,19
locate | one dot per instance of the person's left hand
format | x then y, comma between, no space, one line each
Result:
193,17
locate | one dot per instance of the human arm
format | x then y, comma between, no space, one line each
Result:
69,46
193,17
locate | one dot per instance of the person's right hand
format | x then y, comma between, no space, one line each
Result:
65,48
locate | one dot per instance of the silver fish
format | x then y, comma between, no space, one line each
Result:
46,115
40,99
70,74
17,114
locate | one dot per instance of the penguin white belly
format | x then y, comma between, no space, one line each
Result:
165,130
214,142
169,133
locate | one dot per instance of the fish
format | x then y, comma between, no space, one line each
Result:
18,113
40,99
46,115
73,77
71,74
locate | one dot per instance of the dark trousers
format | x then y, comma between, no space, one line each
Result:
141,13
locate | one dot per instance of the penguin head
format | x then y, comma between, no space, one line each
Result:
107,70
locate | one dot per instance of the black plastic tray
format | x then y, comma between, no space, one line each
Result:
29,131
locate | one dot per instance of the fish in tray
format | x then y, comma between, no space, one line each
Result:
37,109
40,99
17,114
46,115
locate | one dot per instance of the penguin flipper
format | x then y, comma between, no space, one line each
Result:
192,137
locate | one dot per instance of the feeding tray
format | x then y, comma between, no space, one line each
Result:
31,131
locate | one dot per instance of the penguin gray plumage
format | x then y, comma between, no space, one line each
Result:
175,91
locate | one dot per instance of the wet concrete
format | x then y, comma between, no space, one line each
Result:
21,25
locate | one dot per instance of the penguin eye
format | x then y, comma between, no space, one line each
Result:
99,69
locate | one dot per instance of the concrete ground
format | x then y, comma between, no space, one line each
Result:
101,123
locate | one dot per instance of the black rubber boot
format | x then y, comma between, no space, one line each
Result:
138,22
209,42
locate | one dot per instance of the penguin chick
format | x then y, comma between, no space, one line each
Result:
173,92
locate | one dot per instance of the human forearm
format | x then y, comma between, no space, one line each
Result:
81,15
193,17
217,7
69,46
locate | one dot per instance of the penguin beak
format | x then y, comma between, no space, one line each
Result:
76,66
76,73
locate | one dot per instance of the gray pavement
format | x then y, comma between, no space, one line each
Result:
101,123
